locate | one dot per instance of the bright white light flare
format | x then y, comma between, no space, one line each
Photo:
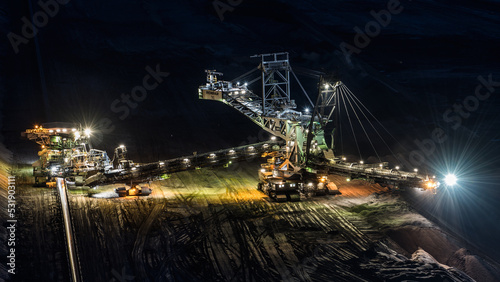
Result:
450,180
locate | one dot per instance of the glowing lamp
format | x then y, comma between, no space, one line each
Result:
450,179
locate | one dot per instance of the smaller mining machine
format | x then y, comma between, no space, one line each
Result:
65,151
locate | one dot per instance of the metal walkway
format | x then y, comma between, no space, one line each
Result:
377,174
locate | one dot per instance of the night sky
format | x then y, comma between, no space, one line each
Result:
419,72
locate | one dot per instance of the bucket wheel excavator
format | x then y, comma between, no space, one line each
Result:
287,173
296,167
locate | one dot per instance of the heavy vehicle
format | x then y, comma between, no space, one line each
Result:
65,152
315,184
307,140
279,179
282,181
431,184
308,135
134,190
275,112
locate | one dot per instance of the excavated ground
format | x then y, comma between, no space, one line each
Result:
213,225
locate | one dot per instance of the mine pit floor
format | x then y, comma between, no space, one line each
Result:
214,225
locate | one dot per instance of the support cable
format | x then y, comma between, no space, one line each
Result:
337,98
350,123
301,87
254,80
350,94
363,127
245,75
375,118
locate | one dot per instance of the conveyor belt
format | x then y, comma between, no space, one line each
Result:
145,172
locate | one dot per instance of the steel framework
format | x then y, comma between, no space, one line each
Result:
274,110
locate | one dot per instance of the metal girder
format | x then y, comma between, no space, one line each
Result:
274,111
326,102
323,110
275,69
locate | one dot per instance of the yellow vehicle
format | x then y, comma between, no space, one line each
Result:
134,190
282,181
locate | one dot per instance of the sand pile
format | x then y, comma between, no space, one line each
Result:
428,244
473,264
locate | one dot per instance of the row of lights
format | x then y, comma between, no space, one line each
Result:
242,91
450,179
212,155
362,162
87,130
64,130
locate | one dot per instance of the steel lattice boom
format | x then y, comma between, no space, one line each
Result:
304,133
274,110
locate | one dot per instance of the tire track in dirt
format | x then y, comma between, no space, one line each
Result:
351,232
142,235
216,247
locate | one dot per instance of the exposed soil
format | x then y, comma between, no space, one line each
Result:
212,224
